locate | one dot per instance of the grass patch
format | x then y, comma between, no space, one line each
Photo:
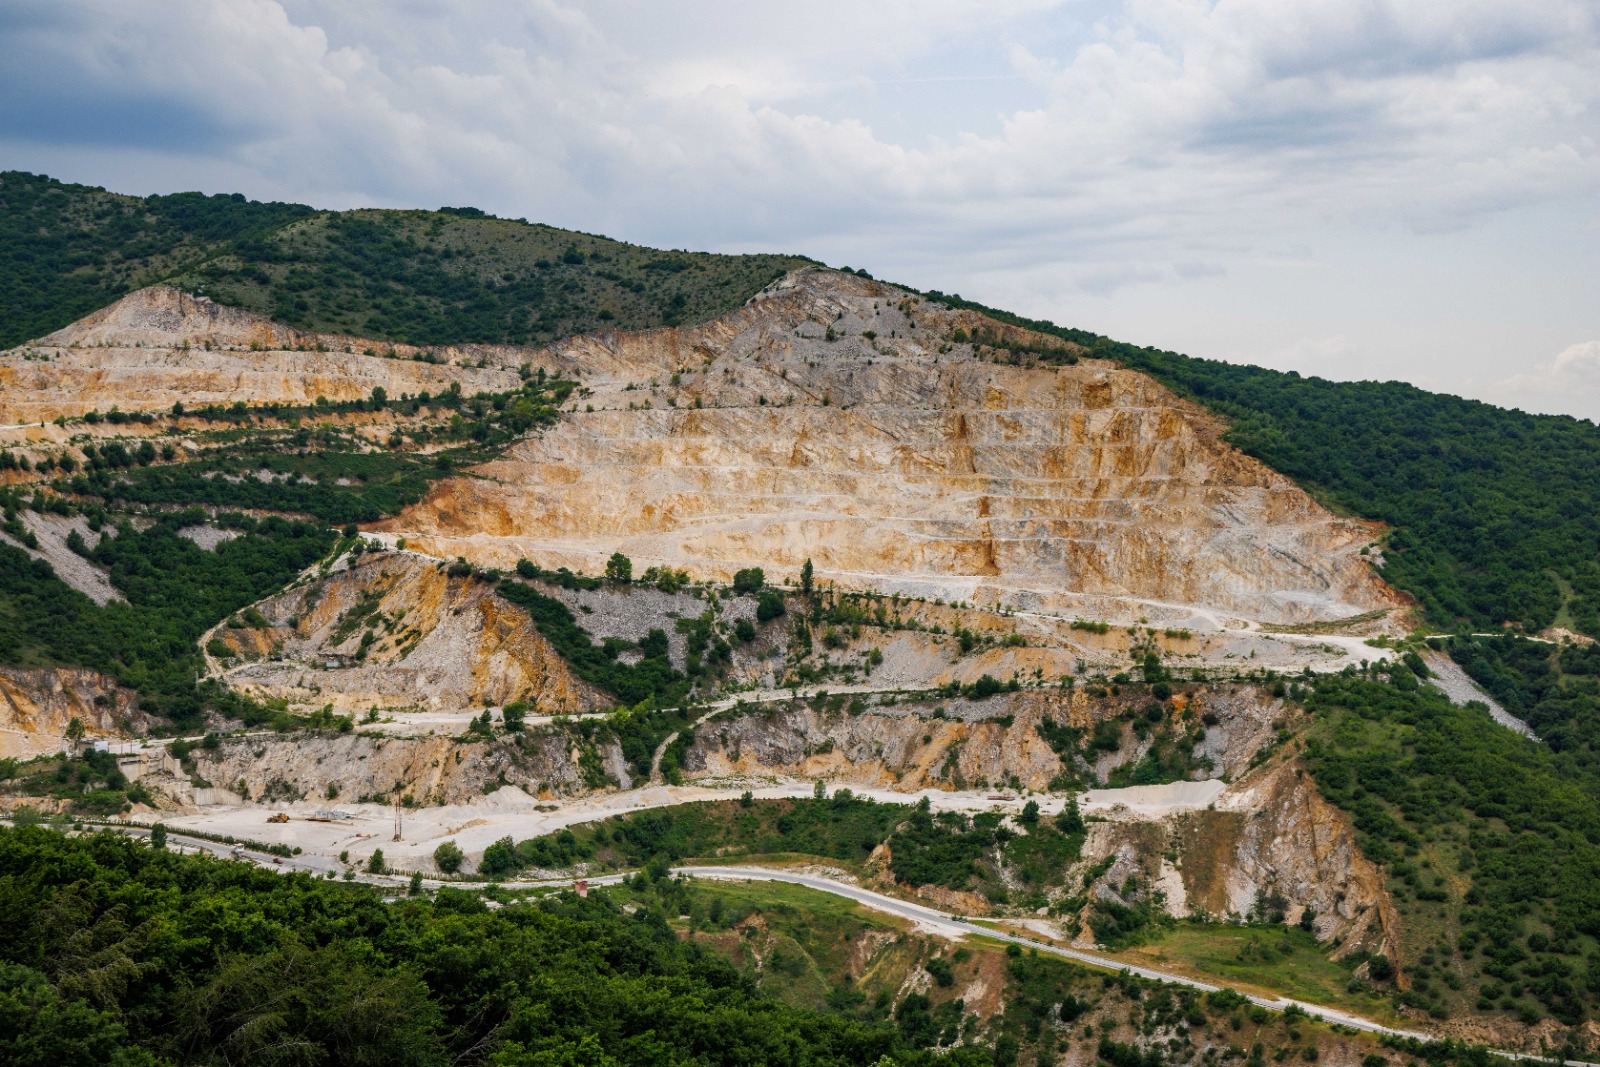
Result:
1271,959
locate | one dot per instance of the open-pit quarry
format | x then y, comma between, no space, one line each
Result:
981,509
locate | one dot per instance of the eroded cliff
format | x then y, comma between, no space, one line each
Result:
37,706
396,631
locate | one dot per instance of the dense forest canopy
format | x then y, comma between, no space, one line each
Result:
1491,842
456,275
113,952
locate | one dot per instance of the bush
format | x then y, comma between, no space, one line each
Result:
448,857
619,568
748,581
499,859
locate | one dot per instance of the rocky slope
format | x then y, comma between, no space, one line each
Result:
159,346
349,767
1269,835
1222,854
394,631
38,704
841,420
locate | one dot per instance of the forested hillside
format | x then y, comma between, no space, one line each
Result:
427,277
118,953
1491,843
67,250
1496,512
458,275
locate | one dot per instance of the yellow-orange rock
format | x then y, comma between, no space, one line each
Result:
159,346
903,461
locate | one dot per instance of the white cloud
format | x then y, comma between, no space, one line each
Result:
1568,383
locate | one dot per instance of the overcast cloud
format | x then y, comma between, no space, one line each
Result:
1354,188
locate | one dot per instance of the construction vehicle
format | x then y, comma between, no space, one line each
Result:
280,817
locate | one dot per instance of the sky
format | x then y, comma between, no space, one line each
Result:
1388,189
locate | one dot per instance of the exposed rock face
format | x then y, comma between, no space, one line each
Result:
898,747
435,642
959,743
1270,833
1293,841
37,705
431,770
159,346
903,461
51,533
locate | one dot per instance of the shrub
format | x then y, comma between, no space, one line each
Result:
770,606
448,857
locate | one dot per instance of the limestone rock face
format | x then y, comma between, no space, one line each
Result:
834,419
38,704
159,346
395,631
432,770
1269,833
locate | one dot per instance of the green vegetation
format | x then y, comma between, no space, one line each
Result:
651,679
378,483
1553,688
175,590
328,472
90,781
1491,842
813,950
1286,960
123,954
1492,509
1168,757
67,250
944,848
842,827
455,275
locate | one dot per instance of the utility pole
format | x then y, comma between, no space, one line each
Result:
398,827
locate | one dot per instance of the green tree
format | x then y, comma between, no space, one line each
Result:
39,1028
1070,821
515,716
769,606
619,568
748,581
1030,813
376,864
499,859
158,835
806,573
75,730
447,857
415,888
